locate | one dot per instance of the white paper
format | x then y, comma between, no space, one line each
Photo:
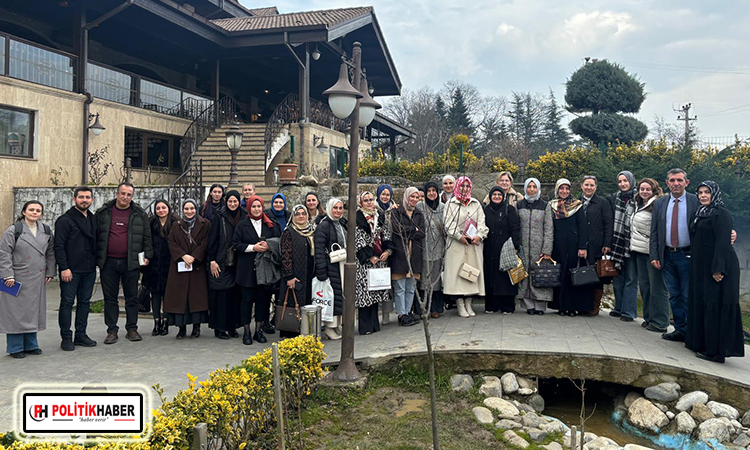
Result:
182,267
142,258
471,231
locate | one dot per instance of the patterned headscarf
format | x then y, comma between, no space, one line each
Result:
564,208
716,201
535,197
305,230
263,217
370,213
407,193
457,190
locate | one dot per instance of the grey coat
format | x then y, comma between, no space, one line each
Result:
268,264
537,234
434,250
29,260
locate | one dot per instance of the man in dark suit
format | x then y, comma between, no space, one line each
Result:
599,219
670,246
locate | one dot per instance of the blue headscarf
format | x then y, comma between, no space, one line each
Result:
382,188
280,216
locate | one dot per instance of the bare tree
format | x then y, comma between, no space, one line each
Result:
417,111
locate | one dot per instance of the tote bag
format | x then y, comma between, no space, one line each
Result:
322,294
378,279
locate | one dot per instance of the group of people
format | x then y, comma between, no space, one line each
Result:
224,261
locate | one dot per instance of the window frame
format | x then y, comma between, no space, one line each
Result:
32,132
145,135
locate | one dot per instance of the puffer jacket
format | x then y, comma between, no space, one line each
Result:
139,234
640,227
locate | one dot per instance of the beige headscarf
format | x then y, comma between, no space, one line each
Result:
407,193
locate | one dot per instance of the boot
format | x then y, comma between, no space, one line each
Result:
331,334
461,308
157,327
164,327
467,306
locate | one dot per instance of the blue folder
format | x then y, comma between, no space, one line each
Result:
10,290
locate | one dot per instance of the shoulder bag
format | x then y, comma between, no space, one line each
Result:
468,271
583,276
288,319
229,261
545,273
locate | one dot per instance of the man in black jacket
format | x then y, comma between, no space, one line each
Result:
123,234
600,224
75,252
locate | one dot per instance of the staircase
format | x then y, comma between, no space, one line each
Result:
250,161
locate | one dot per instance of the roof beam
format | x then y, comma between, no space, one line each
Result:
276,38
344,28
181,18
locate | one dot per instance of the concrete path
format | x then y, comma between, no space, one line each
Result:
166,361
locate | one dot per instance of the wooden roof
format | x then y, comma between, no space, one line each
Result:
270,10
327,18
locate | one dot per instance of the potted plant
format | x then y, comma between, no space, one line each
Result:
287,170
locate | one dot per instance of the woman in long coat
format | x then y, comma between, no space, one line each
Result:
569,250
503,223
537,235
372,243
297,262
186,297
28,259
407,234
625,285
434,249
714,328
155,274
250,238
331,230
600,221
463,213
223,293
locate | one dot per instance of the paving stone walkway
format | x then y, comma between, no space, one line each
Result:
165,360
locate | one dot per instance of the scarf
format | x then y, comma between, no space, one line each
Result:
535,197
340,231
624,209
263,217
371,214
381,188
709,210
189,222
432,204
464,199
280,216
234,216
567,207
306,230
407,193
496,206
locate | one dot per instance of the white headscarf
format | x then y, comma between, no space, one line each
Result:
340,231
535,197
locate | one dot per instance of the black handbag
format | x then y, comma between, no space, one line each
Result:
584,276
288,319
230,259
144,299
545,273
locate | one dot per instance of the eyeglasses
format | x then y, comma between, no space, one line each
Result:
589,177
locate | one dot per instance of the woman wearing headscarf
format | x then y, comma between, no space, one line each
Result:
505,181
714,328
434,250
248,240
465,229
625,284
372,244
569,249
449,185
224,295
315,212
407,229
502,221
186,297
537,234
599,218
278,211
297,262
653,290
155,274
384,198
331,230
214,201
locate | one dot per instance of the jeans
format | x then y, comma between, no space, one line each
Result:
625,286
21,342
653,292
676,273
115,270
403,295
81,287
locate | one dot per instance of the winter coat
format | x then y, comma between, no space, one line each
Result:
188,288
244,236
296,262
139,234
157,270
571,235
325,237
219,239
640,227
537,235
406,232
456,253
503,224
513,197
268,264
364,239
75,241
30,259
599,215
434,247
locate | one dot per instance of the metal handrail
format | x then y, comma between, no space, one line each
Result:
217,114
188,185
287,112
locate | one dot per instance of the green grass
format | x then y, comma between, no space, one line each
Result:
746,321
97,306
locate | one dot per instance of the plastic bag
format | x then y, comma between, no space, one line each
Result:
322,294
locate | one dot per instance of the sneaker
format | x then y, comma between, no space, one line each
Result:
644,324
654,328
18,355
111,338
133,336
84,341
67,345
36,351
626,319
614,313
487,311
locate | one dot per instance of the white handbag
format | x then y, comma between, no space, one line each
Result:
378,279
467,271
337,255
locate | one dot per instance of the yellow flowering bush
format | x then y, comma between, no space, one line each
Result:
237,404
571,163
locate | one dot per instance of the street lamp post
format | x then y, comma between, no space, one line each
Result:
234,142
345,100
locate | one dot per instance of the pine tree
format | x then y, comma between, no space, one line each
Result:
556,136
458,115
440,107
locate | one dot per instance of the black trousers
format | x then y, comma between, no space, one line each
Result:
80,287
503,303
156,301
114,272
261,298
368,319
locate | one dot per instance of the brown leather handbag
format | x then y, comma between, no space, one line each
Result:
605,268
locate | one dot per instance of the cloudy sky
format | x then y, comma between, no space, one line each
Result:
685,51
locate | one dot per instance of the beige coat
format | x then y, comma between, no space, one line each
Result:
29,260
456,253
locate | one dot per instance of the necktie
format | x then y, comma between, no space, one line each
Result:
674,227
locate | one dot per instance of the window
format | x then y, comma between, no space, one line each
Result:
150,149
2,55
339,158
109,84
16,132
160,98
40,66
